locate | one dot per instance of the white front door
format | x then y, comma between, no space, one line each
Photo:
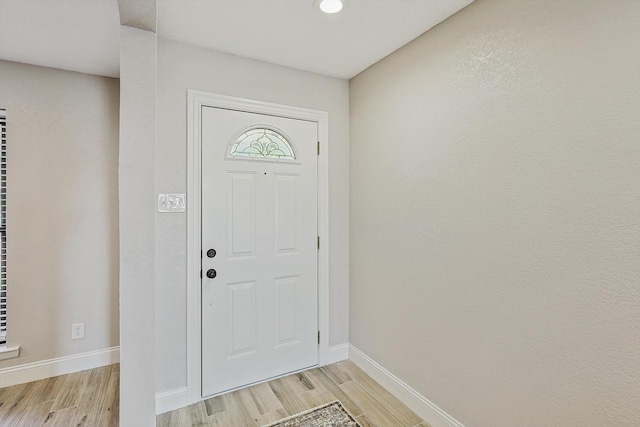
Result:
259,247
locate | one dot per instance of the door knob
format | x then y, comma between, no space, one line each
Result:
211,273
211,253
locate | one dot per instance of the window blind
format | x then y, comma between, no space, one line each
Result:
3,223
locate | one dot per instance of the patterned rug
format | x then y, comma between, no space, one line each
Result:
329,415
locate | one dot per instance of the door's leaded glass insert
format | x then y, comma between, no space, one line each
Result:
262,143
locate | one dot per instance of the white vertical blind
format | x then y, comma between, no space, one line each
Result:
3,230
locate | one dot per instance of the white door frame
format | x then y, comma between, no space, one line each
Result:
197,100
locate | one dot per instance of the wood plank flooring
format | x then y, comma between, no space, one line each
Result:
88,398
367,401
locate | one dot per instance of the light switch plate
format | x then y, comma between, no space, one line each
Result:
171,202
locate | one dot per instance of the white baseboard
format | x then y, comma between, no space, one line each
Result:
171,400
337,353
59,366
426,409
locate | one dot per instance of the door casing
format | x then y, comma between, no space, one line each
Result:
197,100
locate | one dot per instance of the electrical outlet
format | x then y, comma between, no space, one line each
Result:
77,331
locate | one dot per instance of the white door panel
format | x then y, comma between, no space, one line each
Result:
259,313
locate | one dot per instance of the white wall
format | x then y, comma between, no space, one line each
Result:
62,212
495,213
182,67
137,226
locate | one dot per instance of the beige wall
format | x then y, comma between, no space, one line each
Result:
182,67
138,66
62,214
495,213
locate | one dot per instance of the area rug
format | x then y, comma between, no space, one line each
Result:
329,415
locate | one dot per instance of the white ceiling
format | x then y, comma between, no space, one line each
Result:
83,35
295,34
76,35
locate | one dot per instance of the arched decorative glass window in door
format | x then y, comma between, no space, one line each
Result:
263,143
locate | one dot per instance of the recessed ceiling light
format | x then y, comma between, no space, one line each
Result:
330,6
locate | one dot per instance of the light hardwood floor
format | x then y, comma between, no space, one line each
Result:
88,398
367,401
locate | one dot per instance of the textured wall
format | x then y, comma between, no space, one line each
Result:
62,211
495,213
182,67
138,66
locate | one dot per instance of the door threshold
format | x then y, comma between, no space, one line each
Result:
317,365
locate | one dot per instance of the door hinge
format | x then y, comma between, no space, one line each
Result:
318,148
318,337
201,274
318,242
